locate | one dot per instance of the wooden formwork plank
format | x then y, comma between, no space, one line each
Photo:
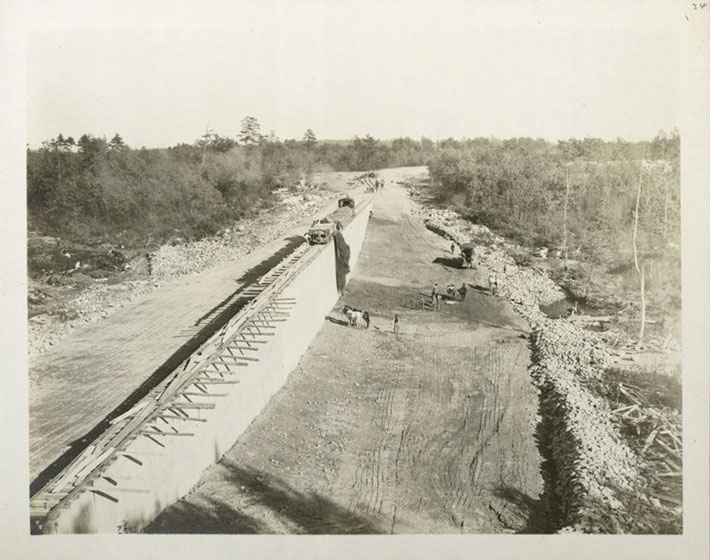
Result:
191,405
251,340
239,358
96,462
279,316
240,349
104,495
130,490
220,366
150,433
205,374
151,438
131,458
257,333
182,418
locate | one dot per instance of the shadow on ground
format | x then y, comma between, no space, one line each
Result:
251,276
449,262
540,517
543,514
210,323
305,512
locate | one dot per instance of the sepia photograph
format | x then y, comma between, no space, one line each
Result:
332,269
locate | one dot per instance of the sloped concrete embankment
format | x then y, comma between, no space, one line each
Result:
146,476
589,466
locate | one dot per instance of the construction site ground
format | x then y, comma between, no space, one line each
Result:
428,431
101,369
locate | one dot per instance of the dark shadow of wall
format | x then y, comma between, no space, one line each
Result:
342,261
269,497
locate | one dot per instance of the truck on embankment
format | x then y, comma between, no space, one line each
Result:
322,231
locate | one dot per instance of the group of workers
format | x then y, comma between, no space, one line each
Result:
452,293
374,181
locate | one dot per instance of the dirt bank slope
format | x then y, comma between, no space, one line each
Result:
430,431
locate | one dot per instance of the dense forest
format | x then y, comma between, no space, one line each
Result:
523,188
613,205
96,187
574,193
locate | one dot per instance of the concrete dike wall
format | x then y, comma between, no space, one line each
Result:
151,473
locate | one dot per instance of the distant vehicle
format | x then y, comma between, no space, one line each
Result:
467,250
346,202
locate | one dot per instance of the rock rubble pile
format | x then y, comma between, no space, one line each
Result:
592,462
171,261
94,304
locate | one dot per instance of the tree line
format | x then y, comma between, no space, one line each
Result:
521,186
94,188
611,204
578,192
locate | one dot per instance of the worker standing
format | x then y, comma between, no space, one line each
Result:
395,325
462,291
492,281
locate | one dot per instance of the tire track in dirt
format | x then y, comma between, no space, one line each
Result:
456,449
372,488
428,426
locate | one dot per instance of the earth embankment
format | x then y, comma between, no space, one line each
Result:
429,430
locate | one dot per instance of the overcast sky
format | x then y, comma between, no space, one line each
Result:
351,68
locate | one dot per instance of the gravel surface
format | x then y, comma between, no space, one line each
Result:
169,262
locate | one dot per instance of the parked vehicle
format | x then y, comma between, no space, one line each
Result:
467,250
322,230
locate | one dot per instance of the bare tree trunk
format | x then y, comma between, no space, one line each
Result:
667,197
589,281
564,224
204,147
665,212
643,304
640,270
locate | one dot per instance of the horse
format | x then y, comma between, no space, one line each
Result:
356,316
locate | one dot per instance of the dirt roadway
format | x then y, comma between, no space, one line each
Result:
95,369
428,432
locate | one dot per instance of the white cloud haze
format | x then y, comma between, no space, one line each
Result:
389,69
